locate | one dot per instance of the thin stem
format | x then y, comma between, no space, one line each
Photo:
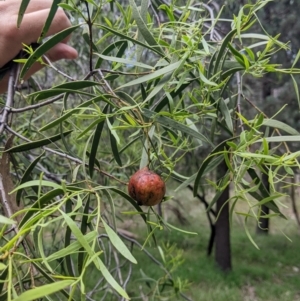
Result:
10,97
57,70
36,106
63,155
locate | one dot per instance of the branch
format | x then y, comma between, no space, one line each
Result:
63,155
10,96
36,106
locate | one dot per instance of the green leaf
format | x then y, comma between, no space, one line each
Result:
174,125
49,20
131,201
44,290
114,144
79,236
71,87
279,125
264,192
281,139
75,110
22,10
26,176
37,144
124,61
3,276
72,248
147,35
222,50
180,230
153,75
226,114
218,149
41,50
109,278
95,142
118,243
134,41
41,203
83,228
37,183
6,221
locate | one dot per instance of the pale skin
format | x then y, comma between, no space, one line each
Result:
11,37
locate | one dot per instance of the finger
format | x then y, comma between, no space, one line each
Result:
58,52
33,23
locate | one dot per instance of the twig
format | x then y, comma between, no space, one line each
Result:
116,72
238,105
118,269
10,97
63,155
36,106
153,259
56,69
266,116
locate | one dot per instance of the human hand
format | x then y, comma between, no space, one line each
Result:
11,37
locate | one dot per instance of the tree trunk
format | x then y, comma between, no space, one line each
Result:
222,226
263,227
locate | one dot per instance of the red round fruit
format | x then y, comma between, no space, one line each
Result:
146,187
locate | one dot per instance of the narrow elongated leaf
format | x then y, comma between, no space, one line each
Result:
118,243
211,166
224,183
36,144
41,50
222,50
49,20
226,114
153,75
26,176
109,278
279,125
41,203
159,86
83,229
218,149
95,143
124,61
72,248
37,183
174,125
76,110
21,13
113,142
6,221
44,290
3,276
264,192
131,201
281,139
70,87
117,33
109,49
79,236
68,259
147,35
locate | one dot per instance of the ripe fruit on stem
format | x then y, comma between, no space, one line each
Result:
146,187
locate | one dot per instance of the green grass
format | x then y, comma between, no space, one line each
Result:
269,274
